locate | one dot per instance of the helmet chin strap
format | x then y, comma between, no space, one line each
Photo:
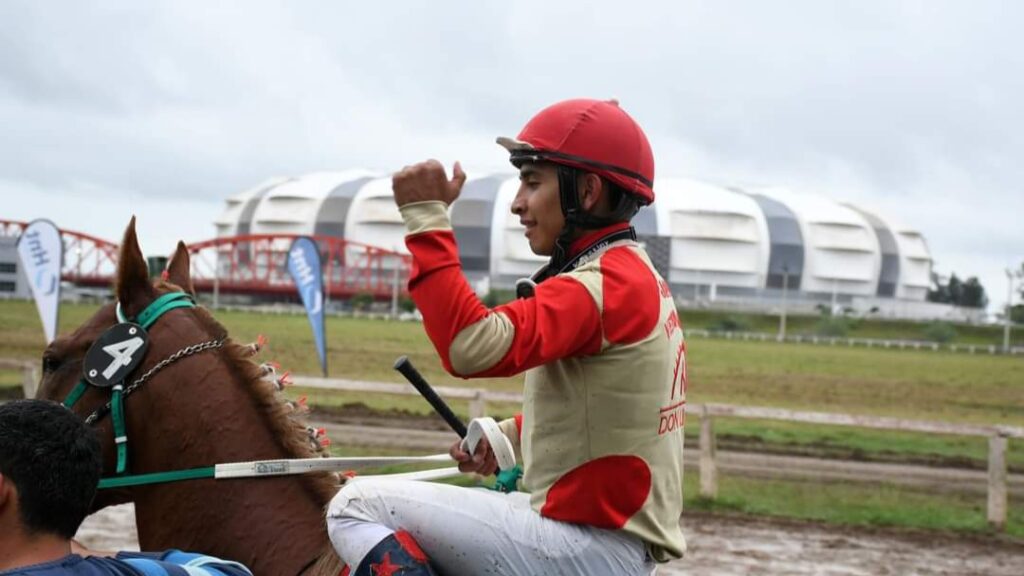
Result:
570,202
577,218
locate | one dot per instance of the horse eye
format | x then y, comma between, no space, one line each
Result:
51,364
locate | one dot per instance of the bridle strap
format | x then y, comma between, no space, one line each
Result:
75,393
157,477
120,431
158,308
162,305
146,318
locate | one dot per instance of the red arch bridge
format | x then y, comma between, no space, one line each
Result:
251,264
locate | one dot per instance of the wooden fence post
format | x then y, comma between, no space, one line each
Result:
997,481
708,464
29,380
478,405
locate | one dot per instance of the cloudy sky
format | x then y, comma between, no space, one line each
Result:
914,109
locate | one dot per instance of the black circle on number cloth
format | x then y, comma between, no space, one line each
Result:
115,354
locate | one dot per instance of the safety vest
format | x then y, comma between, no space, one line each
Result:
601,432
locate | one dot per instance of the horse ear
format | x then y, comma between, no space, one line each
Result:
134,290
179,269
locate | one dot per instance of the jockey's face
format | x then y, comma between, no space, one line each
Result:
538,206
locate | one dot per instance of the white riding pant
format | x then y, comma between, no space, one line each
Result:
476,532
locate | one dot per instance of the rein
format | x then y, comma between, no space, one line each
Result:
293,467
121,350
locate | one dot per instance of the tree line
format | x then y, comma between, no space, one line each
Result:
971,294
968,293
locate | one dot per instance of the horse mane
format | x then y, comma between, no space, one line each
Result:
286,422
134,289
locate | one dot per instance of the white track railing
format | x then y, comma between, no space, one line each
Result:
891,344
29,374
998,436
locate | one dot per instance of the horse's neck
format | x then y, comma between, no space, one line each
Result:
273,525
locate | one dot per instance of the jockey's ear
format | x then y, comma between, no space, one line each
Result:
179,270
134,290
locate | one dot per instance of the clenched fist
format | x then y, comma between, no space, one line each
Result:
427,181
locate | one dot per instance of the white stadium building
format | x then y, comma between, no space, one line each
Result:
743,248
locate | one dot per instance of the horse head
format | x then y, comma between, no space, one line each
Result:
63,358
167,390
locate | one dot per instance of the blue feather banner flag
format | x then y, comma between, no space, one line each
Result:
304,267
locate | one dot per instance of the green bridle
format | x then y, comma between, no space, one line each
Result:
253,469
115,406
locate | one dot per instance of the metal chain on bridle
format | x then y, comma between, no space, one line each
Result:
183,353
117,353
122,349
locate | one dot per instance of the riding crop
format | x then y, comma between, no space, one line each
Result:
508,472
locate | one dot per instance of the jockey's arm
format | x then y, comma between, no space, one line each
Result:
560,321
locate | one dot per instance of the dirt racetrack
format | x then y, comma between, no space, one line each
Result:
735,546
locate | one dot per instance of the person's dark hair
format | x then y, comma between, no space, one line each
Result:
623,204
54,461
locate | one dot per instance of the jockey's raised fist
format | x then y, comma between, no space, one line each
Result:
427,181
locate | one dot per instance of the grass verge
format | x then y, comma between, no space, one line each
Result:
851,504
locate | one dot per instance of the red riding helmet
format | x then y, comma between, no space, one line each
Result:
592,135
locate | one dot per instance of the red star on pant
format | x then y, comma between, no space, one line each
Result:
385,568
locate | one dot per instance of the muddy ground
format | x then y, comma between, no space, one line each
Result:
736,545
718,544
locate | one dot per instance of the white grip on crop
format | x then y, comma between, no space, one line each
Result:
502,446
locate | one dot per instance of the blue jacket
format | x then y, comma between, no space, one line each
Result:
169,563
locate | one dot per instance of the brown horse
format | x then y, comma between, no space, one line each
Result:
204,409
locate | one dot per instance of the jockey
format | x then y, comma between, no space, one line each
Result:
596,331
50,465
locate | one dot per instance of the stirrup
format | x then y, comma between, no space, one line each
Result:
396,555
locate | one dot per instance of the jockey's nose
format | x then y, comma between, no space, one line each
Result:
519,202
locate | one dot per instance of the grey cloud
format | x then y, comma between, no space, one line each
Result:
911,105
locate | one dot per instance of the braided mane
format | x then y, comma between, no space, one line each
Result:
287,422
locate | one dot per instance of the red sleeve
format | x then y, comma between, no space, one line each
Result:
560,321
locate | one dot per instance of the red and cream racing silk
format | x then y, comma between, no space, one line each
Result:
601,432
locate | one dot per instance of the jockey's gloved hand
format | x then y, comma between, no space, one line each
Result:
482,461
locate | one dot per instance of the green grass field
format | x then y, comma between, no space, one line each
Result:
924,385
979,335
959,388
853,504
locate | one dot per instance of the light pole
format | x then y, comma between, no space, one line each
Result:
394,288
835,288
1009,309
329,281
782,317
216,279
696,294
